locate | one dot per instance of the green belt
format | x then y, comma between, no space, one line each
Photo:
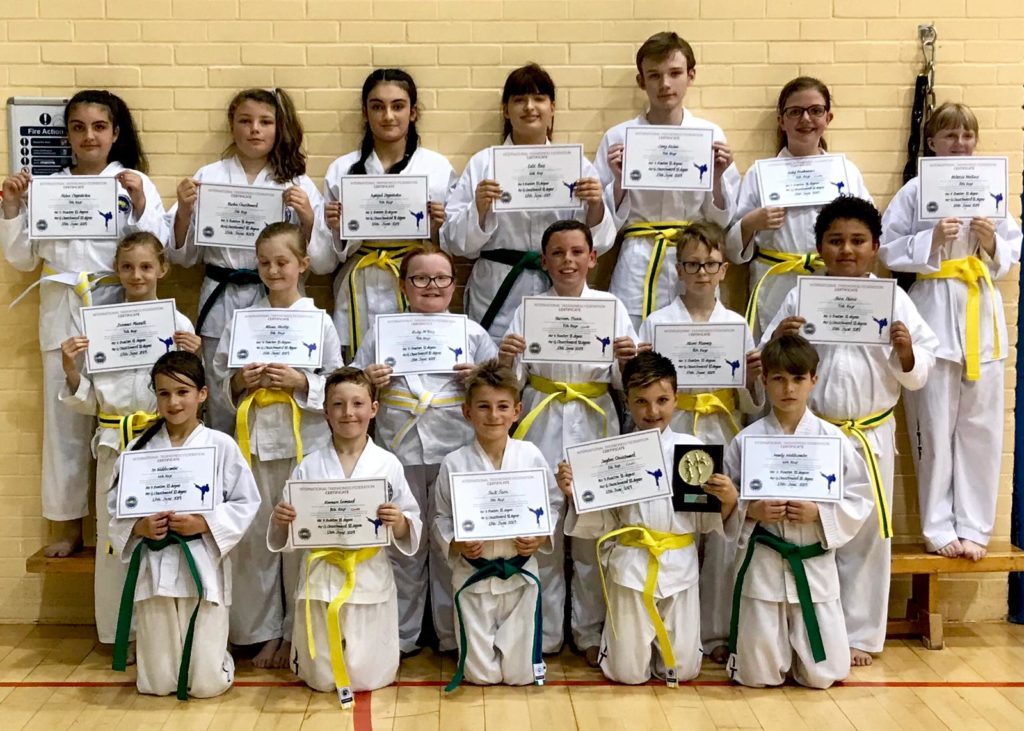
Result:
124,616
795,555
518,260
499,568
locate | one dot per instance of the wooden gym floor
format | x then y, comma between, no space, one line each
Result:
55,678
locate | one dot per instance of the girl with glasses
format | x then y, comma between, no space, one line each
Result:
779,242
420,420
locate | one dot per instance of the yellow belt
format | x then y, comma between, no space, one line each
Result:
564,392
706,404
400,398
656,542
129,426
383,256
781,263
855,428
665,234
970,270
85,283
264,397
346,561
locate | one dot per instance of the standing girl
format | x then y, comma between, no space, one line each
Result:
266,152
124,403
781,240
279,419
506,245
420,420
368,284
75,273
956,420
182,627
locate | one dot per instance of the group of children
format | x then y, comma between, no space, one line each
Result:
770,587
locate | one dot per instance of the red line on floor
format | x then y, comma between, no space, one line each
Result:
362,720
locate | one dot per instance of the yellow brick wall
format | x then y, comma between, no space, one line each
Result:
177,62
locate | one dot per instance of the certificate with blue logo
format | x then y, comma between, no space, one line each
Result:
706,355
421,343
127,336
491,506
73,207
234,215
609,473
789,182
568,329
791,467
962,186
537,177
338,513
846,310
668,157
152,481
277,335
385,207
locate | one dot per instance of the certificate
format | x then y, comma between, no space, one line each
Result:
132,335
846,310
537,177
608,473
788,182
568,329
490,506
709,355
154,480
277,335
73,207
657,157
234,215
385,207
411,343
338,513
792,468
963,187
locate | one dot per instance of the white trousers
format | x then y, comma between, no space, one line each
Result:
162,623
499,636
426,570
717,577
864,563
369,640
551,570
219,414
632,654
263,583
67,452
956,433
772,640
111,571
586,606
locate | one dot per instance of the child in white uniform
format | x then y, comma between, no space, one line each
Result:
713,416
569,403
858,387
347,596
779,240
181,614
265,152
956,420
124,403
286,423
506,245
497,621
420,420
786,613
636,642
368,283
649,220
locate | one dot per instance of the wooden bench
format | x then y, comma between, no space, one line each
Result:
923,619
82,561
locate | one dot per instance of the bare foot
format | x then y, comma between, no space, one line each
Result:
283,656
953,549
130,660
265,657
859,658
720,654
593,656
972,550
69,538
